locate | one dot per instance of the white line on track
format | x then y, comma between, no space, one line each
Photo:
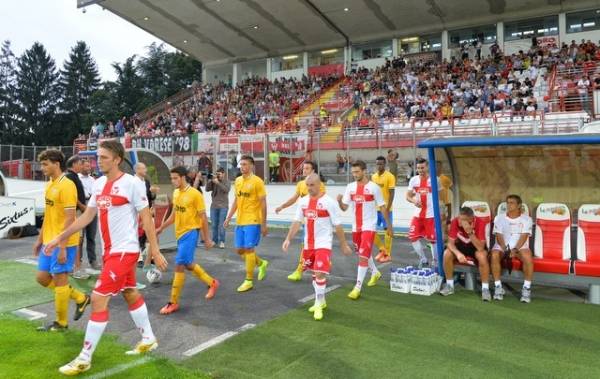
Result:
29,314
217,340
28,261
119,368
311,297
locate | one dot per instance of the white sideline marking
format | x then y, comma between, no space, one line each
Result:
29,314
28,261
217,340
119,368
310,297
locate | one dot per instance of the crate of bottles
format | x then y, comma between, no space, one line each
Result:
412,280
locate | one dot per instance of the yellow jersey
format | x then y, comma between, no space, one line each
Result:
60,195
385,181
187,204
302,188
248,193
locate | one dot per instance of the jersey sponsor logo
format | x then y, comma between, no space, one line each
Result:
243,194
104,202
49,202
423,190
311,214
179,208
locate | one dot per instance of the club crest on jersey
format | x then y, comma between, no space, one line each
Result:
104,202
114,190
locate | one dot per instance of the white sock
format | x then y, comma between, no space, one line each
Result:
320,291
526,284
360,277
93,333
139,314
372,265
450,282
419,250
434,256
485,286
498,283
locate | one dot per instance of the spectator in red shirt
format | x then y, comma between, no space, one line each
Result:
466,238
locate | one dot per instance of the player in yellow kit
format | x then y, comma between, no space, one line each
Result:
251,220
54,267
308,168
387,182
189,215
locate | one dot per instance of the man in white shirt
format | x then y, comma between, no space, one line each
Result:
422,226
89,232
320,215
364,198
583,86
512,231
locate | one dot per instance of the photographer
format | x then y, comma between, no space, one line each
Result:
219,187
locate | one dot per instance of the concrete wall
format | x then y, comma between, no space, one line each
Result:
287,74
369,63
251,69
218,74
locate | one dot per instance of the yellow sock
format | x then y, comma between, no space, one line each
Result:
76,295
250,264
378,242
178,282
257,259
61,304
51,285
388,245
202,275
300,265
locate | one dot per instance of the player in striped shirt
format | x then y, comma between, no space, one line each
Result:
364,198
308,168
117,198
320,214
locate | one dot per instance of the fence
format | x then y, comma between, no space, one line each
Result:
21,161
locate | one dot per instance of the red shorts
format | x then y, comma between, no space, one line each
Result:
118,274
421,228
317,260
363,242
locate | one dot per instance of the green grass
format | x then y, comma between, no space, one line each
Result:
23,290
27,353
386,335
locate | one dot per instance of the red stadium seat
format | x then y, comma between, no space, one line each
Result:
588,240
552,251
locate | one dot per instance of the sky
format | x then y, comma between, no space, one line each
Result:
58,25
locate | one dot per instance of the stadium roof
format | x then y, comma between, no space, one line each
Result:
239,30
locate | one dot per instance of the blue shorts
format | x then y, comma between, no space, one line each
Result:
186,248
247,236
381,221
50,263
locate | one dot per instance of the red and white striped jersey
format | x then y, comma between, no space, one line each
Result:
364,201
321,215
422,188
118,204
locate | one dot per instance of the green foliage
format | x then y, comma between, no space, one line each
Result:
42,105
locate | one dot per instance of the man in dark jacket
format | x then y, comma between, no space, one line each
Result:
74,167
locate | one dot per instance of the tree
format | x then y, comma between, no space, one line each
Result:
8,82
152,71
181,71
37,97
79,79
129,90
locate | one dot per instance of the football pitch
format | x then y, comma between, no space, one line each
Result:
383,334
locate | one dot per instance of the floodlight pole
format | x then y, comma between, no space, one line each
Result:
436,211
